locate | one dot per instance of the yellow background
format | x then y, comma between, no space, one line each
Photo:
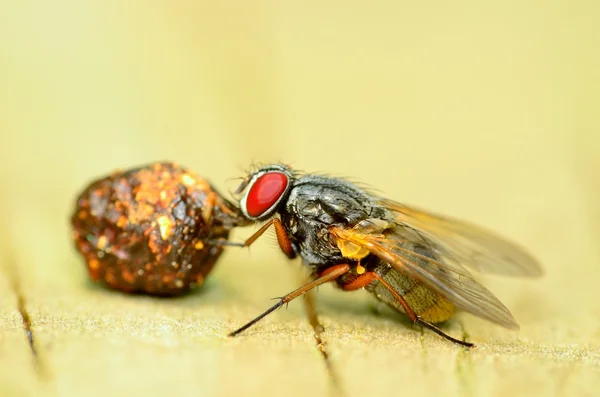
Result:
486,111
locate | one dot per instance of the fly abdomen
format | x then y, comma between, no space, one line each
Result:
424,302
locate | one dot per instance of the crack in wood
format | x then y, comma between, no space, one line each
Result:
26,320
464,368
14,280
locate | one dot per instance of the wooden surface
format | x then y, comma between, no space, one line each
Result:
90,341
484,112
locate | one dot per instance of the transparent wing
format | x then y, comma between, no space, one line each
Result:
467,244
454,283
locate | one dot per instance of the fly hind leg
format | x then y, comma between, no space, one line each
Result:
367,278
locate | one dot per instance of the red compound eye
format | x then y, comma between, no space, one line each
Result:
266,190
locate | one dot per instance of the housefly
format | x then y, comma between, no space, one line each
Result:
413,260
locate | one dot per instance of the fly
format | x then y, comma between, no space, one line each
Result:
413,260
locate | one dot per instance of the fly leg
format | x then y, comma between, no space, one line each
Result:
328,275
282,238
367,278
309,304
313,319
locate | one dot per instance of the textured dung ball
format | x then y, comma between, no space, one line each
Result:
143,230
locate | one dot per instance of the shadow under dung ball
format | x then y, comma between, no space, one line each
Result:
143,230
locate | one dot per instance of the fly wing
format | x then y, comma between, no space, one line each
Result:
454,283
467,244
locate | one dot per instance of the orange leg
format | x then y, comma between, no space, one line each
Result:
332,273
367,278
362,281
282,238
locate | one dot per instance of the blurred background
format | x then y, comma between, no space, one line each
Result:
483,111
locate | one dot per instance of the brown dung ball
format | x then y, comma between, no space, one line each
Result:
143,230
